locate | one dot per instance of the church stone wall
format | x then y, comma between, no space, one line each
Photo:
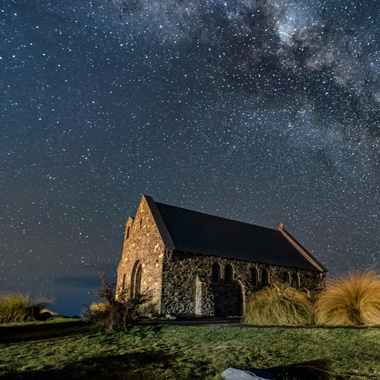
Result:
142,245
187,287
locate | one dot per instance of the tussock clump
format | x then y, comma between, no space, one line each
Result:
98,307
18,307
279,305
350,300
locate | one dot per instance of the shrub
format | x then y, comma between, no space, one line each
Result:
279,305
46,314
115,313
350,300
17,307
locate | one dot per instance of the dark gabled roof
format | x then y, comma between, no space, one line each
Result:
193,231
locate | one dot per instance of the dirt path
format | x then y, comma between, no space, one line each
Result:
10,334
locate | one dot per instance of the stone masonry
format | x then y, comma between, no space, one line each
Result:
181,271
144,246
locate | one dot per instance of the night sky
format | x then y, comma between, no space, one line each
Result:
260,111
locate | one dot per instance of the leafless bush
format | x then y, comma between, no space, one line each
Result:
116,313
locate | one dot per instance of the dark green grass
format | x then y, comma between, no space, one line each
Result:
176,352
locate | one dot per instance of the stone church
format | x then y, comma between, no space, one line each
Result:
197,264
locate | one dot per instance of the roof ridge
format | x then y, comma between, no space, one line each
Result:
219,217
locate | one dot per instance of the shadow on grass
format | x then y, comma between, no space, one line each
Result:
137,366
12,334
155,365
311,370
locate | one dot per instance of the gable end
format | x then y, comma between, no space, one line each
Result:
300,249
161,226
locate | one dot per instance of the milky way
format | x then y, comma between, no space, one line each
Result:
260,111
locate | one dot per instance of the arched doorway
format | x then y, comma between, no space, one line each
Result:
228,300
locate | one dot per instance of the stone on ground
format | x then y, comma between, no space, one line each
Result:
238,374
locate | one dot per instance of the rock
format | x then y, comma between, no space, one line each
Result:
238,374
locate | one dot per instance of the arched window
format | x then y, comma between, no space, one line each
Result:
254,277
128,230
215,276
123,283
228,274
136,279
265,279
296,281
286,278
140,224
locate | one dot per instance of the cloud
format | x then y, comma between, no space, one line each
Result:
83,282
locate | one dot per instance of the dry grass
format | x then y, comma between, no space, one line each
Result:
279,305
18,307
350,300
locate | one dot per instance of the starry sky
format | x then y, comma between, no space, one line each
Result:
260,111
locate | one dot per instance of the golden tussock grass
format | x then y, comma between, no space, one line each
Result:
279,305
17,307
350,300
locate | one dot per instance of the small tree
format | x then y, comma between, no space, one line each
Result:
120,313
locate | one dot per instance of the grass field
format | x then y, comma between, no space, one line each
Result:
183,352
